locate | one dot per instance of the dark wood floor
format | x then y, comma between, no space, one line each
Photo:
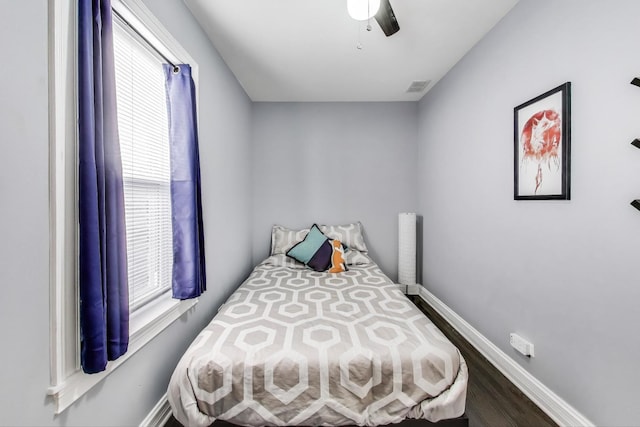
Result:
492,400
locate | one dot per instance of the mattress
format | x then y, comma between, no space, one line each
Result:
293,346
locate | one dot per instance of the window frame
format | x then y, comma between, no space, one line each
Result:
67,380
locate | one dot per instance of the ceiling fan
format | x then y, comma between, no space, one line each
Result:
387,19
381,10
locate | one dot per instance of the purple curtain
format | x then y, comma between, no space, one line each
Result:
189,278
104,291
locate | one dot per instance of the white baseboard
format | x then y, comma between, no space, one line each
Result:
159,415
549,402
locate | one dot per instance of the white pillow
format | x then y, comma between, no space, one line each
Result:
349,234
283,239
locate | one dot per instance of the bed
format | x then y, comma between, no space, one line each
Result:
296,346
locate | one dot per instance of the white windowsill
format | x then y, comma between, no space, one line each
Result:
143,330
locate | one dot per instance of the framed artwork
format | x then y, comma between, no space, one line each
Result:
542,139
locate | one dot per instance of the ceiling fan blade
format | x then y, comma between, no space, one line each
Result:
387,19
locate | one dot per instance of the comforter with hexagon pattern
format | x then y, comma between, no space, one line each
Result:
296,347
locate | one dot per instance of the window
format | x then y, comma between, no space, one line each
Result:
144,143
142,112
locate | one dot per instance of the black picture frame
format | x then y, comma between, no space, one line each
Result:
542,146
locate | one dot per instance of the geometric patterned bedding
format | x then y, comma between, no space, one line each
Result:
293,346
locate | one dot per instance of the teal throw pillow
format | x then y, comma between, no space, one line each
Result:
314,251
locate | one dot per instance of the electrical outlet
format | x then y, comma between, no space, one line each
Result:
523,346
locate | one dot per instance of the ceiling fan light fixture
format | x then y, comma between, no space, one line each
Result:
361,10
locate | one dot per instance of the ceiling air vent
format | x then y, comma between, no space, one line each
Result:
418,85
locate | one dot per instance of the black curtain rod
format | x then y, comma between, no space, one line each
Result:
176,69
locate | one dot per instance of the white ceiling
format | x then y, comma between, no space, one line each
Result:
306,50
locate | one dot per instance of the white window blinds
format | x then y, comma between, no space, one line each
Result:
144,134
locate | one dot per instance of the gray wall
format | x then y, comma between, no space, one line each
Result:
334,163
127,395
562,273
